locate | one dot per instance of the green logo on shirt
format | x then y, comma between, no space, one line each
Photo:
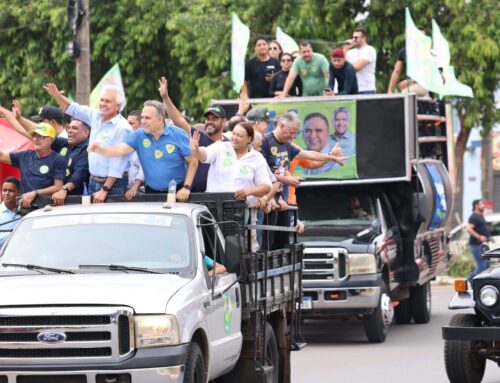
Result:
44,169
63,152
170,148
244,170
146,143
158,154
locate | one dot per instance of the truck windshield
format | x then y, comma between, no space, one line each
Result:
152,241
345,213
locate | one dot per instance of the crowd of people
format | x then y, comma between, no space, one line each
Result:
80,150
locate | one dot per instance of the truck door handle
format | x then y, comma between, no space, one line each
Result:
206,304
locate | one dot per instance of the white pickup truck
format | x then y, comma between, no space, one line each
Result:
121,293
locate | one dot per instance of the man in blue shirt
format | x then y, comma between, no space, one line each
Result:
162,149
109,128
8,216
42,170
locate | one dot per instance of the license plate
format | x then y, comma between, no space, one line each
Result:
306,303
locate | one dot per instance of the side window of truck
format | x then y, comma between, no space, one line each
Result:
210,241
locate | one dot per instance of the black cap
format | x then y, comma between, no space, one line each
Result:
48,112
216,111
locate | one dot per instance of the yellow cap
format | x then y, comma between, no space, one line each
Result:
44,129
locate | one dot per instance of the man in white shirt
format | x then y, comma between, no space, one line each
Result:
8,215
364,59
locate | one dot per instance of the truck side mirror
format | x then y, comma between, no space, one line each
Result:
233,253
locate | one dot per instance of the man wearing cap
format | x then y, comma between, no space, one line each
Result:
109,128
215,119
42,170
312,69
163,150
73,148
343,72
259,117
49,114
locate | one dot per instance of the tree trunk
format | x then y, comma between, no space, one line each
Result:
460,147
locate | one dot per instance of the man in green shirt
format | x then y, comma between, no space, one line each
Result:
312,69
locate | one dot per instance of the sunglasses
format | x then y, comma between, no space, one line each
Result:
273,48
286,60
355,37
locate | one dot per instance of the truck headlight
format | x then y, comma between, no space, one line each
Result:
488,296
156,330
362,263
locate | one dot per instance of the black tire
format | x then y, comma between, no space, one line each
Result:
420,301
377,323
272,357
402,312
463,364
195,366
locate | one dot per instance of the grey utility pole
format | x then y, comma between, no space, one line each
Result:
83,61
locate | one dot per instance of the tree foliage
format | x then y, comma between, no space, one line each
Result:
189,42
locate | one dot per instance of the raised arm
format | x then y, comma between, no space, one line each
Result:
119,150
9,116
172,110
57,95
194,143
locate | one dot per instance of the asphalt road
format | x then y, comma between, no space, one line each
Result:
339,352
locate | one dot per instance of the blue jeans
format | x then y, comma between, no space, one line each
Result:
119,187
481,264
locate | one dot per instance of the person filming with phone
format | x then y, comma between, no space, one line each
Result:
342,72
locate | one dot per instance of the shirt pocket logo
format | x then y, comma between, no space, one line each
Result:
146,143
170,148
244,170
158,154
63,152
274,150
44,169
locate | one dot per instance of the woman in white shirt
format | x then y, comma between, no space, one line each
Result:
234,166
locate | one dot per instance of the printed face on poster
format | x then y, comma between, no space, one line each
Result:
324,125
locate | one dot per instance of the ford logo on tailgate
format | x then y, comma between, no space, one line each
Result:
51,337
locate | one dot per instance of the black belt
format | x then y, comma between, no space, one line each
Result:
103,179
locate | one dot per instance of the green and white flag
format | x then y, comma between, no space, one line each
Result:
287,43
239,42
452,87
112,77
420,65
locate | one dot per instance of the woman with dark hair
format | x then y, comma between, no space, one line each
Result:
275,50
279,79
234,166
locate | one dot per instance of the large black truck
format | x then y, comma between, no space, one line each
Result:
375,231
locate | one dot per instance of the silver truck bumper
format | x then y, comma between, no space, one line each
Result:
172,374
356,298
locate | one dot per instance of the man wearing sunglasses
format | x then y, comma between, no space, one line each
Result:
364,59
259,71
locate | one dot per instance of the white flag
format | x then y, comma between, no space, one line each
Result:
287,43
239,42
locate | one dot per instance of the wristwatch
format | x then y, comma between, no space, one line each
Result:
187,187
106,189
65,188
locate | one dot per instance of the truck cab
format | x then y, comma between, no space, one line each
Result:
121,292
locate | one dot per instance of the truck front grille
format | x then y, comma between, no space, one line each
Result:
55,334
325,264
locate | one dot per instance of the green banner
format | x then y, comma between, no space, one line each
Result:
112,77
324,125
239,41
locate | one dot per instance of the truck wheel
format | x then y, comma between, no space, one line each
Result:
463,364
420,300
271,357
402,312
377,323
195,366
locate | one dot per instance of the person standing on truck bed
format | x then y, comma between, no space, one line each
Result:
312,69
162,149
259,71
73,148
479,233
364,59
8,215
343,72
108,127
215,119
279,152
42,170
